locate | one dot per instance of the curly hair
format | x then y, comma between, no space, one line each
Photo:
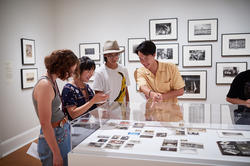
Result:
59,62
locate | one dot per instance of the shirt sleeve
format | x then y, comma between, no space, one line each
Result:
98,82
177,81
140,78
234,88
68,97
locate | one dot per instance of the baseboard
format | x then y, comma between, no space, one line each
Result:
18,141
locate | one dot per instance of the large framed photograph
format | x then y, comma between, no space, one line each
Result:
197,55
122,57
235,44
227,71
168,53
28,77
132,45
195,84
92,50
163,29
203,30
28,51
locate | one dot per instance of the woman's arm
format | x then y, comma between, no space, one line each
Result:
44,95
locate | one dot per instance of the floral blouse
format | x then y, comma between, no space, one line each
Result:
73,96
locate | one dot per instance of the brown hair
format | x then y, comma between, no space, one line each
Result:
59,62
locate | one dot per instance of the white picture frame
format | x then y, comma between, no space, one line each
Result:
163,29
227,71
197,55
28,51
203,30
132,45
91,50
168,53
235,44
29,77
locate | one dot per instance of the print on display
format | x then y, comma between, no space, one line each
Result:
235,44
203,30
163,29
227,71
197,55
132,45
167,53
28,78
28,51
91,50
234,148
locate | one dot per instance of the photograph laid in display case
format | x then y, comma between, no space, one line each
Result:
197,55
132,45
163,29
203,30
122,56
234,148
28,51
28,77
227,71
195,84
168,53
235,44
92,50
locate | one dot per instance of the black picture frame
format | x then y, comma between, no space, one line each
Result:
28,51
29,77
92,50
167,52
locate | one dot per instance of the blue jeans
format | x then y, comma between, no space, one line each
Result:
63,141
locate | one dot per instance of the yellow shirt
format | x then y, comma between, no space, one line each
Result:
167,78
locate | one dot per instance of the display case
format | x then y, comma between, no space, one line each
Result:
162,134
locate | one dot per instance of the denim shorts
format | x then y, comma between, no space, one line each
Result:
63,141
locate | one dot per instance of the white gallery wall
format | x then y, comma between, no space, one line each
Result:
56,24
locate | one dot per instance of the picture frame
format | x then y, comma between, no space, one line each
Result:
92,50
132,45
28,51
235,44
197,55
163,29
168,52
29,77
227,71
97,65
122,57
203,30
195,84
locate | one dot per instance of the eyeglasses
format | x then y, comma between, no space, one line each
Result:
113,55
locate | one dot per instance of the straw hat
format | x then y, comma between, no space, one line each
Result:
111,47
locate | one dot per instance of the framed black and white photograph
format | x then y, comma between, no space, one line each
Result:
227,71
203,30
163,29
132,45
197,55
195,84
28,78
92,50
28,51
122,57
235,44
168,53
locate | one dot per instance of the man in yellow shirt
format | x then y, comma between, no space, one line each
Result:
157,80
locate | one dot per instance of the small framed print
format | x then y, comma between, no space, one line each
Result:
28,78
195,84
122,56
168,53
163,29
197,55
92,50
235,44
227,71
203,30
28,51
132,45
97,65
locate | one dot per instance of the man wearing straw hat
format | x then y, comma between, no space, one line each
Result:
112,78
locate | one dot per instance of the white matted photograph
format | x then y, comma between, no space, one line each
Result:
203,30
227,71
235,44
28,51
163,29
168,53
132,45
197,55
195,84
91,50
28,77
